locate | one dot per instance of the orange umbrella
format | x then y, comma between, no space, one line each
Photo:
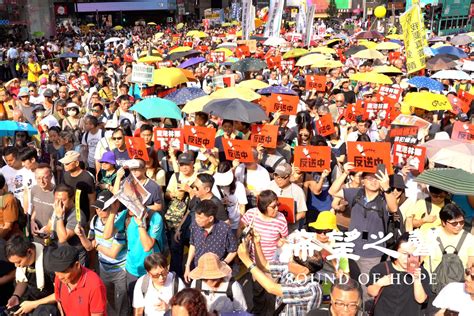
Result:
188,73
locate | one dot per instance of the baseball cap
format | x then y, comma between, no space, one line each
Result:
69,157
102,198
61,258
283,170
186,158
44,67
24,91
48,93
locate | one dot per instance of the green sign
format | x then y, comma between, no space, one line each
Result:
343,4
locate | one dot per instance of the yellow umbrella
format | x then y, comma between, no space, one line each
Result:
253,84
327,64
180,49
395,36
197,104
295,53
159,35
169,77
387,46
237,92
387,69
90,24
192,33
310,59
335,40
323,50
427,100
200,35
154,52
371,77
150,59
226,24
179,26
227,52
235,23
151,23
367,44
238,34
369,54
118,28
259,22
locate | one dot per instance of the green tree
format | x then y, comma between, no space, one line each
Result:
332,9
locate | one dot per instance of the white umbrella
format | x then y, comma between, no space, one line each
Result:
451,153
112,40
468,65
275,41
451,74
227,45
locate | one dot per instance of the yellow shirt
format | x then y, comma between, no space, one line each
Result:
33,71
419,211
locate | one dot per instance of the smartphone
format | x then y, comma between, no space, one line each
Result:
381,167
413,263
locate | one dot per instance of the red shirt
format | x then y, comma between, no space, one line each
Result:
89,296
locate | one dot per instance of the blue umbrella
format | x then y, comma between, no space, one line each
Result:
184,95
397,42
68,55
192,61
276,89
157,107
425,82
8,128
450,50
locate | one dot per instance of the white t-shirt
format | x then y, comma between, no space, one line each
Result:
219,301
153,295
17,180
37,100
455,298
92,141
234,201
257,180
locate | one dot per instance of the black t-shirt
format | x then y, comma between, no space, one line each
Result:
6,290
397,299
84,182
32,292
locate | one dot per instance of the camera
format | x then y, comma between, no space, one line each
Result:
246,232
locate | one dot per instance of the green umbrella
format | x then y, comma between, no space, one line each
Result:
157,107
38,34
456,181
249,64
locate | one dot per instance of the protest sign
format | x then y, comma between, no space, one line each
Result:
285,103
412,120
287,208
315,82
407,154
367,155
223,81
217,57
287,64
242,51
251,44
273,62
391,93
352,111
264,134
78,205
142,74
199,136
133,195
313,158
414,37
463,131
375,110
164,64
466,100
165,137
325,125
238,149
404,134
136,148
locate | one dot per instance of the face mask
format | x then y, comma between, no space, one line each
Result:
71,112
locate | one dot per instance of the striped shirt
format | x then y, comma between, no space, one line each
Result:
270,231
96,232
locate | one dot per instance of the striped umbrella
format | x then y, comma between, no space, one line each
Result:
456,181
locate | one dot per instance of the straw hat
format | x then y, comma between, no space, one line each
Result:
210,267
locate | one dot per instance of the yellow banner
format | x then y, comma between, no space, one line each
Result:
78,206
414,36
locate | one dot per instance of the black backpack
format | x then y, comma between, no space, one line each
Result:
228,291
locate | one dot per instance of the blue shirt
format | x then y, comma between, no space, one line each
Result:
135,253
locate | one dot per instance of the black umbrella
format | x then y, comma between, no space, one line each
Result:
441,62
236,110
249,64
353,50
179,55
369,35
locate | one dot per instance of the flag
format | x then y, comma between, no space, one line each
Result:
246,16
414,36
272,29
309,24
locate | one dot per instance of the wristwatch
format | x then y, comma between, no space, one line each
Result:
57,218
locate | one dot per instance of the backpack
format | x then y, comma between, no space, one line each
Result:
228,291
146,282
86,135
451,268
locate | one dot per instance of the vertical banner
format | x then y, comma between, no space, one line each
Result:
301,19
246,12
272,29
309,25
414,36
252,19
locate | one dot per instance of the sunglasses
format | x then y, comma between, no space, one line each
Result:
117,138
280,177
456,223
164,274
367,96
323,231
95,111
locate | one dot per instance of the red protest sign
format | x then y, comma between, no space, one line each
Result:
325,125
265,135
391,93
405,134
164,64
353,111
199,136
313,158
188,43
242,50
463,131
466,100
165,137
315,82
287,64
217,57
202,48
407,154
287,104
238,149
273,62
366,155
287,208
136,148
375,110
265,103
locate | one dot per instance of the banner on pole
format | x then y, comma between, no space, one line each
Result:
414,36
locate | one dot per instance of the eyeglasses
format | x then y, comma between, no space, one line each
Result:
277,204
456,223
323,231
163,274
117,138
32,90
276,176
437,195
349,306
367,96
468,272
95,111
